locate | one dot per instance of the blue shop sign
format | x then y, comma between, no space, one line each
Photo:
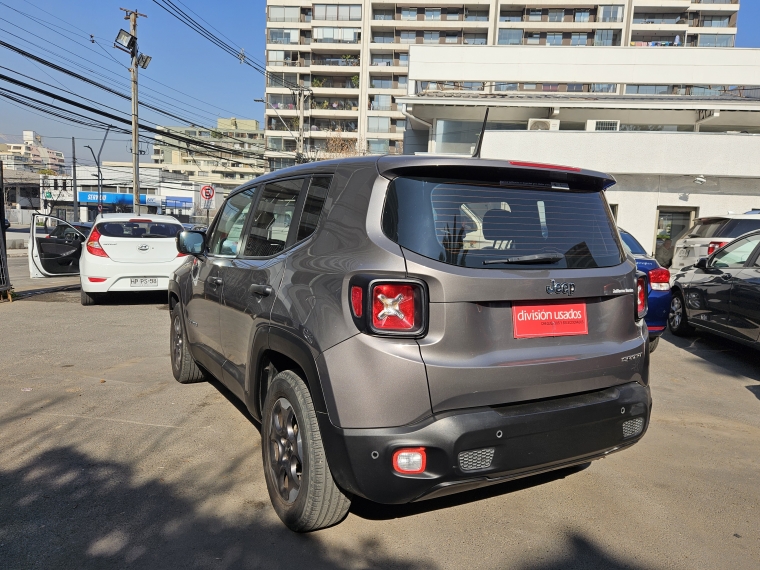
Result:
106,197
167,201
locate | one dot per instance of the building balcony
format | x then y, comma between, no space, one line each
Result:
561,26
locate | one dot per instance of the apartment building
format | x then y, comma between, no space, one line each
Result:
354,56
31,155
240,154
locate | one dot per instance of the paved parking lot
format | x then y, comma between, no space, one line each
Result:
107,462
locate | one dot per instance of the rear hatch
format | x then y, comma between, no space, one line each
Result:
531,293
709,234
139,240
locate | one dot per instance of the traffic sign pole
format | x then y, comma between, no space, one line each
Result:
207,194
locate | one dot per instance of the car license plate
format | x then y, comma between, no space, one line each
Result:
683,252
143,282
549,319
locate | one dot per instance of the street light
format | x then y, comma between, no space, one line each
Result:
126,40
143,60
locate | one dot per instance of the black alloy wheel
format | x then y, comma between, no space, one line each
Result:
677,320
184,368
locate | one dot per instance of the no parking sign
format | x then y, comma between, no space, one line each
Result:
207,195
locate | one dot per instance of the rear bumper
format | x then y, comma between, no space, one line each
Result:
657,315
526,438
117,276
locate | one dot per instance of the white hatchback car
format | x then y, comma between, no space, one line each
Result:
708,235
123,252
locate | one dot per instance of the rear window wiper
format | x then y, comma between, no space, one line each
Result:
526,259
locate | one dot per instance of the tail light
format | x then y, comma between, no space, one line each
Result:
641,297
659,279
409,460
93,244
715,246
388,307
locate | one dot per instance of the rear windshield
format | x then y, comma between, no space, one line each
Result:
484,226
706,229
630,242
736,228
139,229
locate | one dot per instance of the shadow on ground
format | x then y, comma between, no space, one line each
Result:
719,354
66,510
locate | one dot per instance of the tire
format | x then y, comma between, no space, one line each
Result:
88,299
653,342
184,368
677,319
300,485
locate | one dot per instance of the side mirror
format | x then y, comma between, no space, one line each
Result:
702,263
191,243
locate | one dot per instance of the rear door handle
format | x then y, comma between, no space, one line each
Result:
263,290
216,281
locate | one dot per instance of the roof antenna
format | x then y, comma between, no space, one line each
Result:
476,154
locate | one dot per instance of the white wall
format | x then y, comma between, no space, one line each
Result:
634,152
581,64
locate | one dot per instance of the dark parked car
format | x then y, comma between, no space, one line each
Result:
721,293
6,223
658,290
410,327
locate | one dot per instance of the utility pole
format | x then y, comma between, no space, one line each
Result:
301,110
74,179
2,204
132,16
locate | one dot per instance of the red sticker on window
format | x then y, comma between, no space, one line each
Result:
549,319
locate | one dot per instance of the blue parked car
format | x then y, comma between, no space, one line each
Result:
659,288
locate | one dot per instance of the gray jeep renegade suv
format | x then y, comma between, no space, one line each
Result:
409,327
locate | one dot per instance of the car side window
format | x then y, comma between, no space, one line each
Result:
228,231
312,208
736,254
272,218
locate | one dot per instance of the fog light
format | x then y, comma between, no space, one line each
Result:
409,460
633,427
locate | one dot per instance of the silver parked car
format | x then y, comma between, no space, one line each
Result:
708,235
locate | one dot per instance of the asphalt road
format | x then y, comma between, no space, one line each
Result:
107,462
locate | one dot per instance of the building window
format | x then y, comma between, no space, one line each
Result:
505,87
510,37
715,21
378,146
610,14
456,137
533,39
408,13
379,82
716,40
382,15
403,59
400,124
382,59
575,87
402,81
550,87
556,15
510,16
432,37
605,38
408,37
432,13
554,39
277,79
335,12
475,39
579,39
382,37
648,89
472,86
284,14
378,124
476,15
381,103
281,36
530,86
603,88
451,37
534,15
452,13
582,15
336,35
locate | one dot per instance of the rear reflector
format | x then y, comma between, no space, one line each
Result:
545,166
633,427
659,279
715,246
357,301
641,297
409,460
96,279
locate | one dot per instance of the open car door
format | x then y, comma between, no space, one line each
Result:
54,247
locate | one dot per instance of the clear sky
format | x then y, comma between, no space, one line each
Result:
197,79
